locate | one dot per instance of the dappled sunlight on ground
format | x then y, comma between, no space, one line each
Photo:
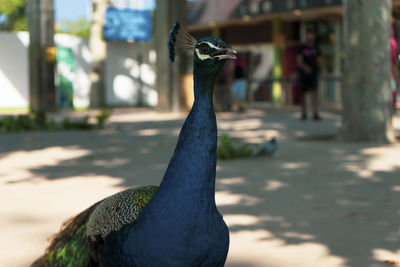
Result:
381,159
251,124
241,219
386,255
261,248
226,198
295,165
233,180
15,166
251,127
396,188
154,132
32,212
272,185
317,202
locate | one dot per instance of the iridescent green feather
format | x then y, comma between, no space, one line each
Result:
73,252
142,196
69,248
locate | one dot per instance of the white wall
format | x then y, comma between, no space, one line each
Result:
123,73
127,83
14,69
14,92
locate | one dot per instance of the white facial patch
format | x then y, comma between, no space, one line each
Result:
210,45
203,57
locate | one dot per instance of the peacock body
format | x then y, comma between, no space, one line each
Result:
75,245
176,224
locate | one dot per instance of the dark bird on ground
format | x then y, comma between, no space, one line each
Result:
269,148
176,224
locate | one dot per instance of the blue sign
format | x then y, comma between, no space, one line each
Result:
127,24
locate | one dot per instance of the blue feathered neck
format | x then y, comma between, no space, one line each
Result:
191,170
181,224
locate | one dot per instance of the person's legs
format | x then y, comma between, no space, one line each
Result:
238,95
303,103
315,98
315,103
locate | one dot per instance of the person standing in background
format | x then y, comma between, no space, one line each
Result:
309,63
238,91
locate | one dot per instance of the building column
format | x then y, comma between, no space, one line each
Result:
169,75
98,49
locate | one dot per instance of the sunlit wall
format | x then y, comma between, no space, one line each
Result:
128,82
14,91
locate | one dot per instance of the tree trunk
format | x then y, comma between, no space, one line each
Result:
169,75
367,111
98,49
41,55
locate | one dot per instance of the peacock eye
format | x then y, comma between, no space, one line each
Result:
204,49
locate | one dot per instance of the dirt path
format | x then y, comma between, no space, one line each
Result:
318,202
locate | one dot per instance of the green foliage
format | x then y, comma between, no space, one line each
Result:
9,7
37,121
80,27
39,118
83,124
102,117
16,17
232,148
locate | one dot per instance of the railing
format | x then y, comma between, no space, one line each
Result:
262,89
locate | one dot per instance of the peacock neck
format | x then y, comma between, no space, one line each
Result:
184,205
204,86
191,171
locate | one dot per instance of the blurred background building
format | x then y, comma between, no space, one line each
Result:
266,34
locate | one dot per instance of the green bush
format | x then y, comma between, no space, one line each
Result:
39,118
8,124
102,117
24,123
232,148
38,121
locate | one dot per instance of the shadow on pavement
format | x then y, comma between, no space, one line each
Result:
338,202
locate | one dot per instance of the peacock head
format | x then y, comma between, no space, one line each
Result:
210,54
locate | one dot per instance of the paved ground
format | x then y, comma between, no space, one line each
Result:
318,202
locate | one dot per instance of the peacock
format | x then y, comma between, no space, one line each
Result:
176,223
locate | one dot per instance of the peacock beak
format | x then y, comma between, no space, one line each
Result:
225,53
